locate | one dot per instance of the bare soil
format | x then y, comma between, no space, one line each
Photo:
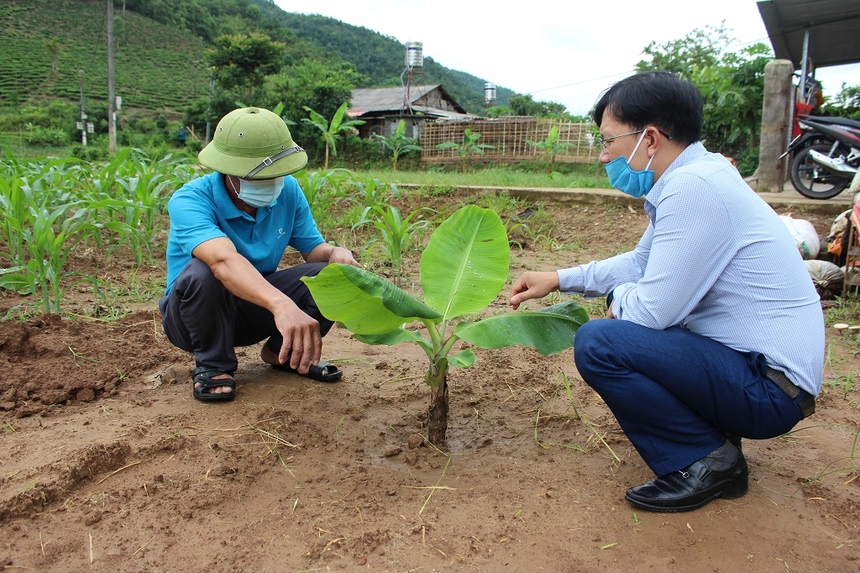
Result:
107,463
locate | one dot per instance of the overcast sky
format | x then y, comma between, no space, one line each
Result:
564,51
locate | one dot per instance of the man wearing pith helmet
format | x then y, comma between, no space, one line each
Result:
228,232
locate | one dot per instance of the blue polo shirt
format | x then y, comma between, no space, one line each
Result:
202,210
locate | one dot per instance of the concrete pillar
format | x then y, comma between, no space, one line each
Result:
775,124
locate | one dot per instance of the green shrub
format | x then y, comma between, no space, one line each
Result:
37,135
89,153
142,124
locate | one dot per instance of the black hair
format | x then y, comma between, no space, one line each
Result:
662,99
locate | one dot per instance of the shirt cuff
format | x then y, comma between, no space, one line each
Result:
571,280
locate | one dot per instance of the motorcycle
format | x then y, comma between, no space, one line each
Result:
825,156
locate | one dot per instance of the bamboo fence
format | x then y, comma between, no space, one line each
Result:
509,138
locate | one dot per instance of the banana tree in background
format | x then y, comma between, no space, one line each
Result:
330,131
550,147
398,143
467,149
462,270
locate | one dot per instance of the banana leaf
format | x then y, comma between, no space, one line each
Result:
550,330
465,264
395,337
363,302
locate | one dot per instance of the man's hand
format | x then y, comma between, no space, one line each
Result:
532,285
342,255
302,343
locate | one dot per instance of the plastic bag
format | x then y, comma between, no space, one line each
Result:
826,277
805,236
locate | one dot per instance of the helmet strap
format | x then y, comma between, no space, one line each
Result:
269,160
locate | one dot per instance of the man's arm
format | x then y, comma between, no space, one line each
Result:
325,253
301,333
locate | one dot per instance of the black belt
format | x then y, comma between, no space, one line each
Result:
807,403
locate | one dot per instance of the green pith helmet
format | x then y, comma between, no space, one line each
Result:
253,143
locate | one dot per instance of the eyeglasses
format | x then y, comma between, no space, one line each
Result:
605,141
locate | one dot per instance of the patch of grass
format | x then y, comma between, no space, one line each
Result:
843,383
848,311
580,176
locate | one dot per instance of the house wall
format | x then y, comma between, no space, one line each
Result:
387,125
435,100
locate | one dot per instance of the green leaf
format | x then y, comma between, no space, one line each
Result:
395,337
465,264
363,302
462,359
550,330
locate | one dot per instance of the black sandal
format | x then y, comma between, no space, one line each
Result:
205,377
321,372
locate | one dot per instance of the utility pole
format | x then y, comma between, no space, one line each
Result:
82,125
111,95
209,106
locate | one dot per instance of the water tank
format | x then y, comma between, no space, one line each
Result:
414,54
489,93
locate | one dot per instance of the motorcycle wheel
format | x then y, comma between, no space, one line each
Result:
814,180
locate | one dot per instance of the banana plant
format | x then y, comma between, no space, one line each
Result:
550,146
398,143
330,131
469,147
462,270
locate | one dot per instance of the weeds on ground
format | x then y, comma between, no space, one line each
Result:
577,415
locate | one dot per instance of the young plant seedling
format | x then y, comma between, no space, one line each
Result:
462,270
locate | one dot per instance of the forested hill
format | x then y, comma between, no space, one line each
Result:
382,58
55,48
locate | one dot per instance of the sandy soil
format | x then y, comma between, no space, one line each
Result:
107,463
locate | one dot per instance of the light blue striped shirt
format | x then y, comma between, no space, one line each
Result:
716,259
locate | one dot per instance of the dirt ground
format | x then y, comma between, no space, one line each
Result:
107,463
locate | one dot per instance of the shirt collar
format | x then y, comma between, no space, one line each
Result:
691,153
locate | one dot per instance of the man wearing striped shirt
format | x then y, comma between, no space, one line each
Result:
718,332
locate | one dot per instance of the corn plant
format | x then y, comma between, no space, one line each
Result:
373,194
322,190
53,206
48,248
15,205
463,269
396,232
133,191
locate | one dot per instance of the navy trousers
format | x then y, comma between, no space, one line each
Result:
676,393
201,316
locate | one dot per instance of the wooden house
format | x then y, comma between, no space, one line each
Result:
382,108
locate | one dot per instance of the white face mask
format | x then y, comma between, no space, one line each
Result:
260,193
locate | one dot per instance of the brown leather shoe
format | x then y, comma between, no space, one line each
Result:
722,473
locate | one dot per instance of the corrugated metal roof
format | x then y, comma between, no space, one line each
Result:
386,99
393,100
442,113
833,26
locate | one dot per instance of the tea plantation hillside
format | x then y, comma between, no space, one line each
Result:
156,67
49,47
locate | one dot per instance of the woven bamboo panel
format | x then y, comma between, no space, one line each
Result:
509,137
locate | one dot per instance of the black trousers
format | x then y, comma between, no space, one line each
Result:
201,316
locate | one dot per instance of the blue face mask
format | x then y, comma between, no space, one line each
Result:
260,193
625,179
